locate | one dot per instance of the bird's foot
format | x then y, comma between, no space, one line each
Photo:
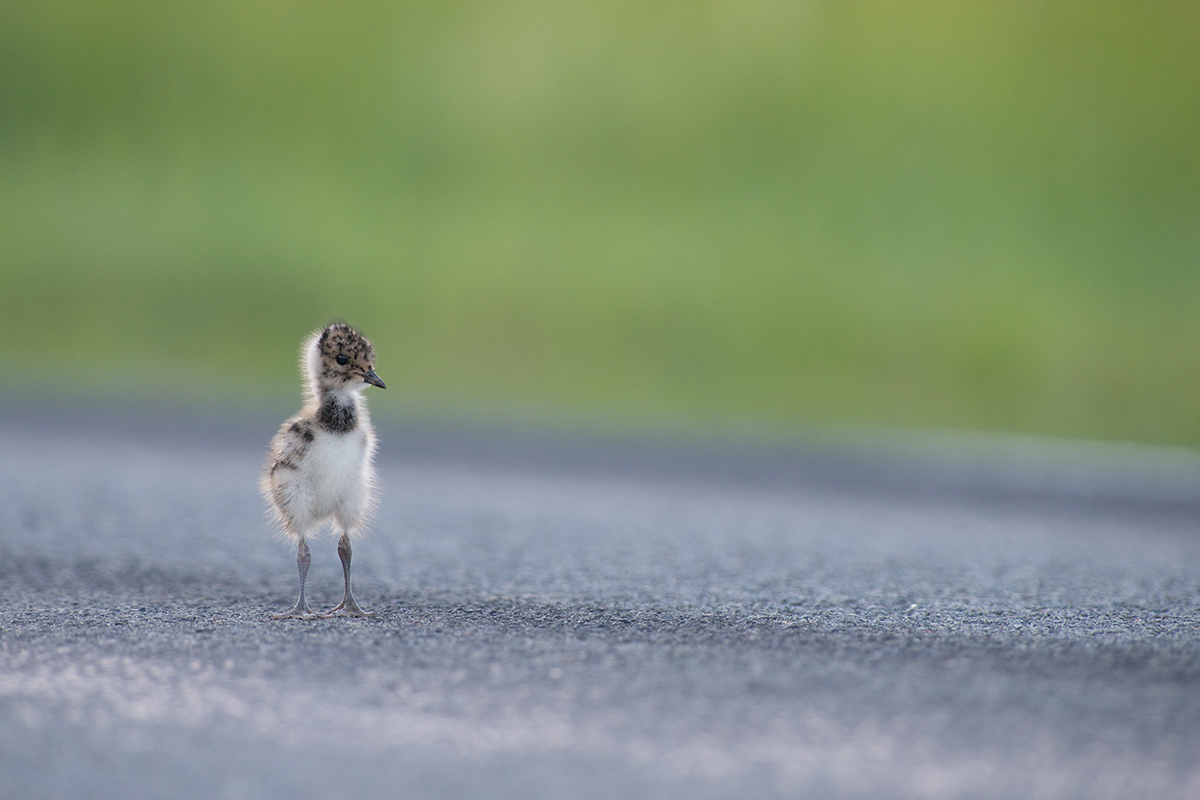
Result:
299,612
346,608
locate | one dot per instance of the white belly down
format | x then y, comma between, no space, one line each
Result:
334,481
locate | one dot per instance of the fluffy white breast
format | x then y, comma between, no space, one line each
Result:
338,471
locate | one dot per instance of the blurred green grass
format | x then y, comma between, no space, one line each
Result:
933,214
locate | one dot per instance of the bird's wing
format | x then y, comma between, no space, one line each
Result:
291,444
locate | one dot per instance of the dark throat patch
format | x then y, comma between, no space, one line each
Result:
336,417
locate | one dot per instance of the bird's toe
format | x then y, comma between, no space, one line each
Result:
347,610
299,613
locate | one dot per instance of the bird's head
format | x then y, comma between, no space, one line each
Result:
339,358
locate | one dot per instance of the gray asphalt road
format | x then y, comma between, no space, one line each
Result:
563,619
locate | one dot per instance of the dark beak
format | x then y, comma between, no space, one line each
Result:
374,379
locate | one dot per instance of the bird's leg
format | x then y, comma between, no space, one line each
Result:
346,608
301,611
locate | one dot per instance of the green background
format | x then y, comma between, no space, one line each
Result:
942,215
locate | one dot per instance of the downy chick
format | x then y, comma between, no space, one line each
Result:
319,465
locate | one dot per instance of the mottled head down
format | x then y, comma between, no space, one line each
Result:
338,358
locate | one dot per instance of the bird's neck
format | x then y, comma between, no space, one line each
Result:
338,412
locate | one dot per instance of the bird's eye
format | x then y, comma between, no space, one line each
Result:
341,360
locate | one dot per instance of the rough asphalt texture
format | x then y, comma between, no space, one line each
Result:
564,620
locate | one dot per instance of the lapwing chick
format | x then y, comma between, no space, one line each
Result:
319,466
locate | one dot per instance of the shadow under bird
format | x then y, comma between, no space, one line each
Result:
319,467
